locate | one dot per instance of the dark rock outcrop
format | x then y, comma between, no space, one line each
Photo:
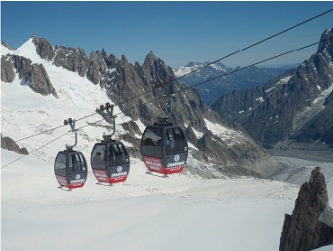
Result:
9,144
21,64
7,71
43,48
38,80
97,66
71,59
311,224
33,75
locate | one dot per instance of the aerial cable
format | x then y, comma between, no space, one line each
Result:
33,150
52,129
49,130
202,67
92,114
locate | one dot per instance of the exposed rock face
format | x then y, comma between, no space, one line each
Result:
33,75
38,80
97,66
9,144
43,48
21,64
7,71
311,224
279,109
71,59
320,127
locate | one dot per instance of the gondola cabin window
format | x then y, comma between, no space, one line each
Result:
152,142
73,163
118,155
176,142
60,164
98,157
83,164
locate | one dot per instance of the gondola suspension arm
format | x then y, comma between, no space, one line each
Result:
109,109
71,123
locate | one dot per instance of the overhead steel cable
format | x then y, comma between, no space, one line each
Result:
199,68
292,27
36,134
52,129
21,157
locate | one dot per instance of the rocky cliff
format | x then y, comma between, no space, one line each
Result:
9,144
311,224
33,75
287,107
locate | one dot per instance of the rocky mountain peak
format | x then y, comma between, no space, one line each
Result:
43,48
112,61
311,224
124,59
10,145
288,111
326,42
31,74
151,56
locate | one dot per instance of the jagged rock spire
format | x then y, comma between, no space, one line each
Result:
326,42
311,224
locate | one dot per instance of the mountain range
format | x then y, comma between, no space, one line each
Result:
292,112
216,148
214,89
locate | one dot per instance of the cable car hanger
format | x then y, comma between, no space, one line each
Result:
109,110
109,159
71,123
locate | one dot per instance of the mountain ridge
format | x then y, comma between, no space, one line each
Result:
132,87
283,114
213,89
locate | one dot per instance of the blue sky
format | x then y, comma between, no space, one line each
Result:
177,32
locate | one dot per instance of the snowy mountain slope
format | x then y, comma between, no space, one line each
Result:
25,113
